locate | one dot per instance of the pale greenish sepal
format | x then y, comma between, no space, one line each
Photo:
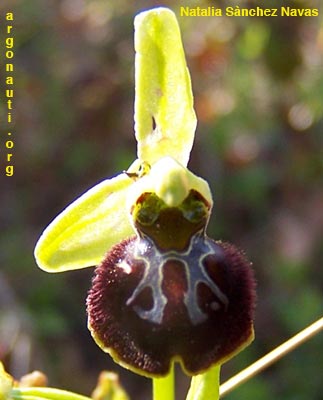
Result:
163,89
205,386
80,236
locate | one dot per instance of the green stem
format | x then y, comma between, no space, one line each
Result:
205,386
163,388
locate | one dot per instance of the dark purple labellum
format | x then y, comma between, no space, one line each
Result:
152,302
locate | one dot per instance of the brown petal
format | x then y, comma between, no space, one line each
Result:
147,308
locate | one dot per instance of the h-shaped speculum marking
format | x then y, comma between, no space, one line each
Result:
192,260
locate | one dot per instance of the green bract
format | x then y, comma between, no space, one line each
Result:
165,124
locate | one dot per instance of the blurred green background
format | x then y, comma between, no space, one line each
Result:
258,86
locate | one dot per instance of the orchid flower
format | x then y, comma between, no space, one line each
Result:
163,291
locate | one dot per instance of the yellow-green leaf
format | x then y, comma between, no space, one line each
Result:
6,383
81,235
44,393
165,121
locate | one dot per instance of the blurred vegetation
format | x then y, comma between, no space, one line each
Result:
258,85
